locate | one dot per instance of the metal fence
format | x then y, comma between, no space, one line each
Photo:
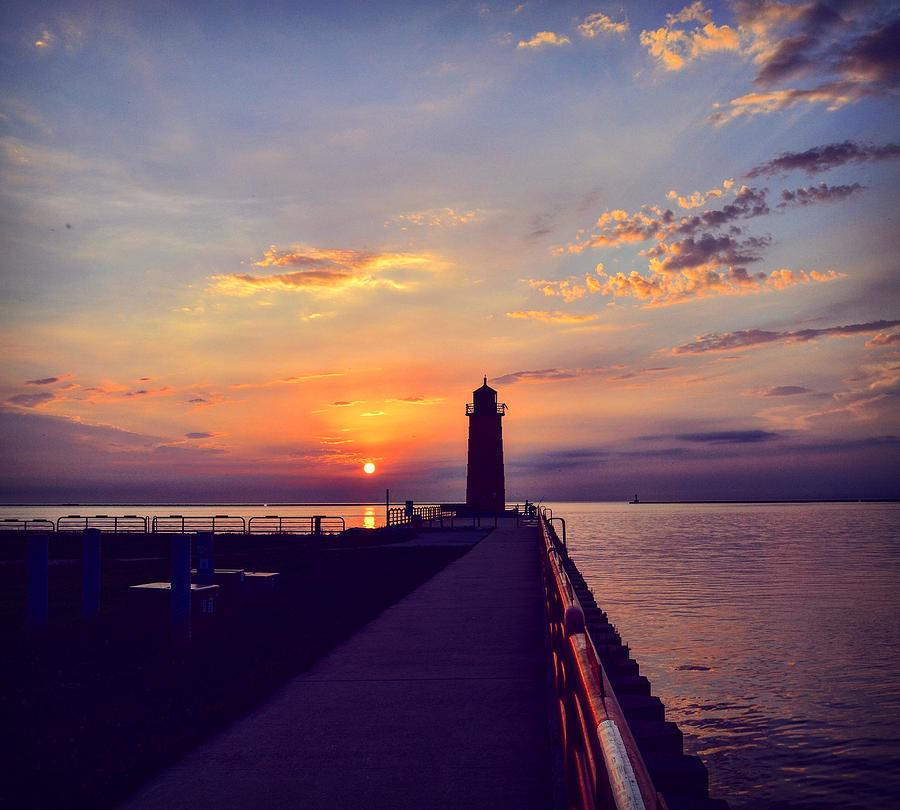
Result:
401,516
602,764
19,525
180,524
186,524
117,524
314,524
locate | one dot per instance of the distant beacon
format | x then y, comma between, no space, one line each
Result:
485,487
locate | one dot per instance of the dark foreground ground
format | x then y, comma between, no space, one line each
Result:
91,711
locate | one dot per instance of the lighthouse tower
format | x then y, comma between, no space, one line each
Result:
485,487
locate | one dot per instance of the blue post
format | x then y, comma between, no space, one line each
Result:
206,567
181,590
37,599
90,573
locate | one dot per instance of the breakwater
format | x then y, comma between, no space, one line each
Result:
619,751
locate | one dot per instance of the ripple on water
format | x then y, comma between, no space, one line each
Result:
770,633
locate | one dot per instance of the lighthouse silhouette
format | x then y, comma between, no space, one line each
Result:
485,486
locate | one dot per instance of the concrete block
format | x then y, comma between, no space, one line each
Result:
152,605
260,586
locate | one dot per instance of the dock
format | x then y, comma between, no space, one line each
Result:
442,701
495,681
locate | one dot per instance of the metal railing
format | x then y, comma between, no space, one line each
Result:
603,766
183,524
117,524
502,408
400,516
277,524
186,524
32,525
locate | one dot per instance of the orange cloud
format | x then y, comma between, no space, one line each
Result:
834,94
598,23
544,38
664,289
324,270
699,198
674,48
288,380
551,317
436,218
419,400
883,339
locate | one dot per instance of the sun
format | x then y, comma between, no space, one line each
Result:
368,468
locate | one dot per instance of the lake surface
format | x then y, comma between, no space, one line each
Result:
771,634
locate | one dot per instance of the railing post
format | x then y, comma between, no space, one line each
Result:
206,566
90,573
181,590
37,595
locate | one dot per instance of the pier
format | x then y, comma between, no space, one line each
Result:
442,701
498,683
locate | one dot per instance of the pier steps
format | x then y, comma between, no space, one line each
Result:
682,779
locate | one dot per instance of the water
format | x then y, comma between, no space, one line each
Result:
770,632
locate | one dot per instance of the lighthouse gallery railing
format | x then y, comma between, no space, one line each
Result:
603,766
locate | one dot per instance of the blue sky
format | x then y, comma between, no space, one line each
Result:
247,249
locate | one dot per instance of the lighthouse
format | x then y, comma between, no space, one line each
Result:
485,487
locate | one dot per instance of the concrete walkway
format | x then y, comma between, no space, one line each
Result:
440,702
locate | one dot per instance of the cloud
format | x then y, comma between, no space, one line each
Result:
610,373
822,158
849,50
617,227
288,380
675,48
665,289
544,38
883,339
31,400
875,56
43,381
418,400
324,270
373,413
707,251
786,391
551,317
695,256
727,437
437,218
817,194
345,403
568,289
199,435
598,23
753,338
699,198
541,375
834,94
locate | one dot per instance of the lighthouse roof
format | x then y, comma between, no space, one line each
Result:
485,386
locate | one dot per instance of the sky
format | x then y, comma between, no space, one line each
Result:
248,247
